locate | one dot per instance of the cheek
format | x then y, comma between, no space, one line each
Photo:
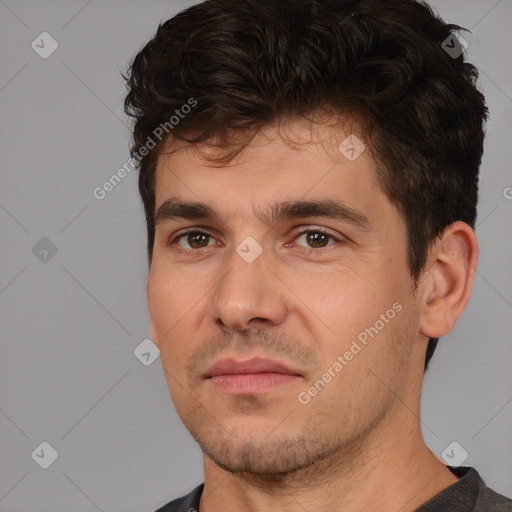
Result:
170,297
344,301
171,307
365,316
367,376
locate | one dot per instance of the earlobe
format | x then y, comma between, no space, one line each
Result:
447,284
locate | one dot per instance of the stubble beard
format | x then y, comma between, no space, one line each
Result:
312,453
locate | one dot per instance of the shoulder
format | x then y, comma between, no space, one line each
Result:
491,501
187,503
487,499
468,494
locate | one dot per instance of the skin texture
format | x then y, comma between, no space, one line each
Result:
303,301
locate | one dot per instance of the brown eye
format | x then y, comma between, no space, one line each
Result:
197,240
316,239
193,240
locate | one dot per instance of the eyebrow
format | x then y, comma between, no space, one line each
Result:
174,209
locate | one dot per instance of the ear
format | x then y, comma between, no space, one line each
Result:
152,332
446,284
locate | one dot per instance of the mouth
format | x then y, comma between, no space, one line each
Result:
252,376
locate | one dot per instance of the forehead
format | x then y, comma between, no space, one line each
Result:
301,162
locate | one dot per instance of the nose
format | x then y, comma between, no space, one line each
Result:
249,295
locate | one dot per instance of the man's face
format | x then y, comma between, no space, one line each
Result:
332,305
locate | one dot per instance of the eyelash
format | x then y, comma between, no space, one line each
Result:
308,250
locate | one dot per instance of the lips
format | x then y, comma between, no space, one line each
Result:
254,376
255,365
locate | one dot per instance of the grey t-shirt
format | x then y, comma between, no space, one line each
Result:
468,494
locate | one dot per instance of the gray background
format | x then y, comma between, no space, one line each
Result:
70,324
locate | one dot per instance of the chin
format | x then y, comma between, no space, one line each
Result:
261,453
253,459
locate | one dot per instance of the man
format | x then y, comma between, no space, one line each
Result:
309,174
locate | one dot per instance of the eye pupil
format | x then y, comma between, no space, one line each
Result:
193,237
316,237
